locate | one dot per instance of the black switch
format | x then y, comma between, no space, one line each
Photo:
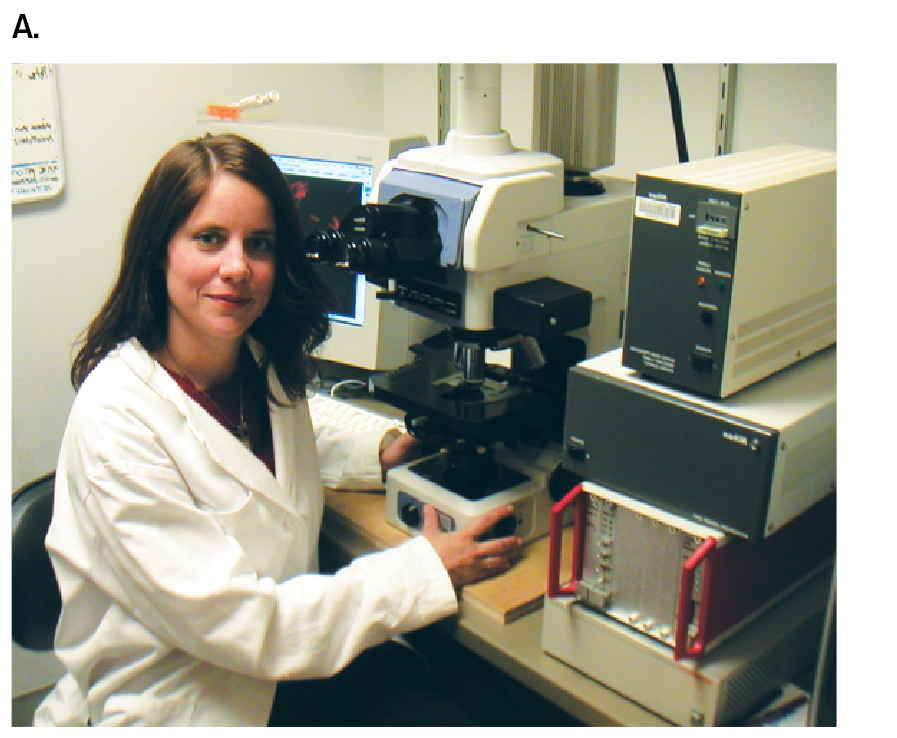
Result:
702,363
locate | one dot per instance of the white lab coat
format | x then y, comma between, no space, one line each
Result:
187,571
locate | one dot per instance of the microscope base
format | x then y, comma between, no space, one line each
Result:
407,491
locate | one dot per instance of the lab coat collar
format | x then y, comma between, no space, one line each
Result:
222,446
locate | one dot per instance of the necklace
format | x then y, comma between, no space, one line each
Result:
241,429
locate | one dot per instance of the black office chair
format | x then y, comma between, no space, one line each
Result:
35,594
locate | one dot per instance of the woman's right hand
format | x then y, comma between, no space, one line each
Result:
466,559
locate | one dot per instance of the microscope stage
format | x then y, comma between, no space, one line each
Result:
430,388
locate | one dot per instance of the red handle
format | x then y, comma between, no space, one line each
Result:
556,533
682,648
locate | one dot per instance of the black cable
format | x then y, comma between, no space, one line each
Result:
676,108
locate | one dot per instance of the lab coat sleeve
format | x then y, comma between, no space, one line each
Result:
349,460
172,566
389,593
63,707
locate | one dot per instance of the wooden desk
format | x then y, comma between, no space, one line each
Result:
355,524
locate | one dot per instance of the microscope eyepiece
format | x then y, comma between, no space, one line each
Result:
362,255
380,240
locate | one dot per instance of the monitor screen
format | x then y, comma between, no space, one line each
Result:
325,191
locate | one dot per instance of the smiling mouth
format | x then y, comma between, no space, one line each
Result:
231,300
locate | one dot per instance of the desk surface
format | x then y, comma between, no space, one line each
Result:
515,647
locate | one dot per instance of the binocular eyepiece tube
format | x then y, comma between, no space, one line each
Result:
380,240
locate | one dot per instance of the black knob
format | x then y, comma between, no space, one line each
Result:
561,481
411,514
505,527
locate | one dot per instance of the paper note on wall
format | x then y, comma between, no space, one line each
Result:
37,171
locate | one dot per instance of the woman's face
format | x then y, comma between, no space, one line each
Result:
220,266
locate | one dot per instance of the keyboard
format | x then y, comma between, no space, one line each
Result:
348,415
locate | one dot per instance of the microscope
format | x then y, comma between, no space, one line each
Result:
480,237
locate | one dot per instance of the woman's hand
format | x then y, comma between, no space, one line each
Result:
395,449
466,559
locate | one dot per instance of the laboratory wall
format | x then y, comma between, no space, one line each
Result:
117,120
774,104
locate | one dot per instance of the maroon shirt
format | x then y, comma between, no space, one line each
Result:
222,402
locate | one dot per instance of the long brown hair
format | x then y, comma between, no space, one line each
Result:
295,320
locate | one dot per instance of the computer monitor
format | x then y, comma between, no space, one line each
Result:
328,171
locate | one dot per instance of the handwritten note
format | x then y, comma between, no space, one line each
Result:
37,171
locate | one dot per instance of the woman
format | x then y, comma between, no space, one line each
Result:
189,491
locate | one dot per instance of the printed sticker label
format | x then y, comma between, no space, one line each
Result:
663,212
